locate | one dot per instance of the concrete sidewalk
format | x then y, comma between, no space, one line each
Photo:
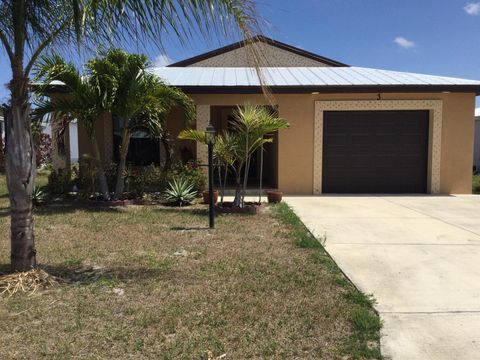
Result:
420,258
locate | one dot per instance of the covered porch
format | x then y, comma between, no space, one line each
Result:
222,118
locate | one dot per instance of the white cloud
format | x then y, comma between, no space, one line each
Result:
404,43
162,60
472,8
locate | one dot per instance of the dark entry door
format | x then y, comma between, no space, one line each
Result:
375,151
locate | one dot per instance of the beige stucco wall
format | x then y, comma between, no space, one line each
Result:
295,157
271,56
104,133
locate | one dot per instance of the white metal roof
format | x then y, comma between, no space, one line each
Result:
300,76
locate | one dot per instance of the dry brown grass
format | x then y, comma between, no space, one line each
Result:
27,282
152,282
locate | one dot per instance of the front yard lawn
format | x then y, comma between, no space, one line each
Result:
152,282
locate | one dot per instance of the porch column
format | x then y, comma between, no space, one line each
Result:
106,138
203,118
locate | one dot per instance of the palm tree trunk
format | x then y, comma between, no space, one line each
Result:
219,169
224,183
102,179
238,188
261,174
247,166
122,164
20,169
2,154
167,144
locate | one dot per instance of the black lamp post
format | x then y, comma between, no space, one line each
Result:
210,137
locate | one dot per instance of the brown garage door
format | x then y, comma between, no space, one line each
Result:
375,152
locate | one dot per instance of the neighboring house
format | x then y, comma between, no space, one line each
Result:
352,129
476,151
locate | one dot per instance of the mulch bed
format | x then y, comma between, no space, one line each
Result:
249,208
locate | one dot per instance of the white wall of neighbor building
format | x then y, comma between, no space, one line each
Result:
73,139
476,148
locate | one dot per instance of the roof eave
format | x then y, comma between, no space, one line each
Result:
333,89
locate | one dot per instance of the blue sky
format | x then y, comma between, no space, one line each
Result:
439,37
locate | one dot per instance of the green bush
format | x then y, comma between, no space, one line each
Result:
111,175
147,179
60,181
191,172
138,180
85,176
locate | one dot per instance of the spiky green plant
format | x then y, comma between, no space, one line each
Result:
39,196
180,192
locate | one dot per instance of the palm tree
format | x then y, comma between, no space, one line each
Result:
224,152
141,100
29,27
84,99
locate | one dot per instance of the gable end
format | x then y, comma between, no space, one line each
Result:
278,54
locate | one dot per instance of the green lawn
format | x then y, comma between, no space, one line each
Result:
152,282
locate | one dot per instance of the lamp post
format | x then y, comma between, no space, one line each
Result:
210,137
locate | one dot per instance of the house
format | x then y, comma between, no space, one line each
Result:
352,129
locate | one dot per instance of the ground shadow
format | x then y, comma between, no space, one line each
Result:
186,210
63,207
185,228
86,275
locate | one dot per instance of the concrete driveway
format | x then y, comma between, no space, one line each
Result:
420,258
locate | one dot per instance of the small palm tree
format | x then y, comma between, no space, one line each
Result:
251,123
84,100
141,100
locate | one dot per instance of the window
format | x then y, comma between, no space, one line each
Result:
143,150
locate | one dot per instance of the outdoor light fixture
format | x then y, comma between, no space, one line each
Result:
210,138
210,134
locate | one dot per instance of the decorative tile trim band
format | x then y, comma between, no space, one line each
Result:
435,137
203,118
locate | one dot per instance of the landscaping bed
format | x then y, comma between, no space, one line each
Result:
154,282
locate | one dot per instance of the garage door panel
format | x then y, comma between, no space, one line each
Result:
375,151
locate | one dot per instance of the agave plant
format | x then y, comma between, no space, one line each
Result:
180,191
39,196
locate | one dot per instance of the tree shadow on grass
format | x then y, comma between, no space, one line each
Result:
87,275
63,207
191,228
199,212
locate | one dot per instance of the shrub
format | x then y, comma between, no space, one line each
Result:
85,176
154,178
180,192
191,172
111,174
43,149
148,179
60,181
